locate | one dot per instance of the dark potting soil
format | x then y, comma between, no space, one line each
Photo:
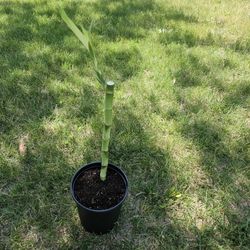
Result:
94,193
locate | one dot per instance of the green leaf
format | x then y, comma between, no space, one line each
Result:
92,53
82,36
99,77
91,25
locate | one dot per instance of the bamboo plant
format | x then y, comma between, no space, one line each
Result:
84,36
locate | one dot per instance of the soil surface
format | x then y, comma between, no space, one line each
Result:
93,193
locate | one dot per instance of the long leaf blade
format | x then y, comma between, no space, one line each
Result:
84,38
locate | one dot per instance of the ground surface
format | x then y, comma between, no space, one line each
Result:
181,127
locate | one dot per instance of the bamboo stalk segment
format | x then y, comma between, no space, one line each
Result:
108,103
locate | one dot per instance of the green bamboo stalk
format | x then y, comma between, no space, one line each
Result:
84,38
108,103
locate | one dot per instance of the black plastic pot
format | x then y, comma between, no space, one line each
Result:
98,221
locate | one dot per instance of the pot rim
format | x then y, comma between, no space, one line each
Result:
114,167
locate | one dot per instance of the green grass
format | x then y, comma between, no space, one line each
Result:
181,126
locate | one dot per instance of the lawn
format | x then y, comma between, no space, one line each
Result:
181,128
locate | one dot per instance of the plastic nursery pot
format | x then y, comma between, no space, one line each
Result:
102,220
